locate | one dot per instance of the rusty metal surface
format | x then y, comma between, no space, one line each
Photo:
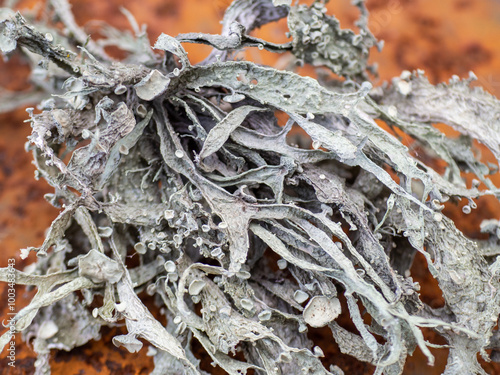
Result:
442,37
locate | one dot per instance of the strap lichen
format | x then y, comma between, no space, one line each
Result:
187,168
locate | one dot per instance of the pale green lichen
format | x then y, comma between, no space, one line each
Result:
187,168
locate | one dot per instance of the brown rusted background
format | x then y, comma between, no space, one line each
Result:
443,37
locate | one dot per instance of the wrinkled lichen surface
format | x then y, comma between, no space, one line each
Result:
185,169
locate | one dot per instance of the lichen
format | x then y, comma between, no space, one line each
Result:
186,168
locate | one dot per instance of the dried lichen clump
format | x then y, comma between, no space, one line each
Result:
186,168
